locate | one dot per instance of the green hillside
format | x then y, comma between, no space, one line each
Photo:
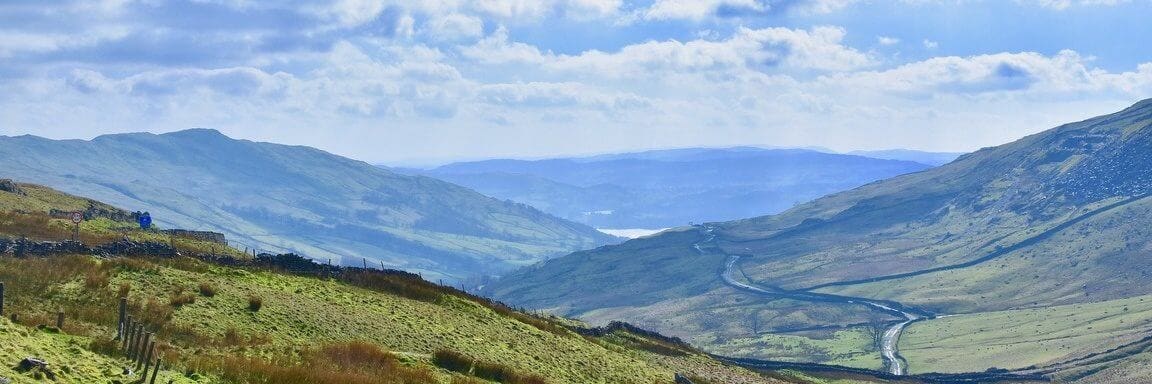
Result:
253,323
1055,219
280,198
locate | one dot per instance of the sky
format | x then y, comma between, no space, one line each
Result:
407,82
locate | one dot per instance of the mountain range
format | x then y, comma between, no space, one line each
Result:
668,188
281,198
1047,236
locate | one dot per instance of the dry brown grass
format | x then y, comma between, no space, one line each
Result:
255,303
207,289
350,363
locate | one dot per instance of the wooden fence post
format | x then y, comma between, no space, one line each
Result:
143,355
121,323
148,359
137,335
141,333
131,339
156,371
1,298
127,333
60,320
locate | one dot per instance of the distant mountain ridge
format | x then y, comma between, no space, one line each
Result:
1056,218
667,188
295,198
930,158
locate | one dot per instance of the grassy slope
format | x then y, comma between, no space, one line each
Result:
1021,338
951,214
298,314
68,357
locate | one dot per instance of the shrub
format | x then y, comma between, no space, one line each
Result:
351,363
155,314
495,372
452,361
255,303
232,337
105,345
97,279
178,300
207,290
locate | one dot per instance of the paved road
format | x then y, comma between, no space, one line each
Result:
888,343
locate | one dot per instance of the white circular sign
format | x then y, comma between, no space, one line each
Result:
77,217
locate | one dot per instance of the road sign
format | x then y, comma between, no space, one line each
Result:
77,217
145,220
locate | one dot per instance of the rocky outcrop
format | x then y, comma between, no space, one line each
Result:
7,185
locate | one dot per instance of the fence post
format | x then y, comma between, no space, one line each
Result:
137,334
1,298
140,334
143,355
60,320
155,371
148,359
127,333
131,339
120,324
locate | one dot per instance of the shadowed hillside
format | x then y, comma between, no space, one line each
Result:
288,198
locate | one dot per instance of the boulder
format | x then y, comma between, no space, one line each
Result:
7,185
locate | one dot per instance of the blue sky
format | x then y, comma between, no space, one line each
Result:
416,81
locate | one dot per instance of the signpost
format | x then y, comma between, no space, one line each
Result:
145,220
77,217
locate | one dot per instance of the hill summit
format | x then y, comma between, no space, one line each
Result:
281,198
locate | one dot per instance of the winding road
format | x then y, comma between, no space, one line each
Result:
895,364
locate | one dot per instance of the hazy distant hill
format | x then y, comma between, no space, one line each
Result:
930,158
667,188
1050,221
292,198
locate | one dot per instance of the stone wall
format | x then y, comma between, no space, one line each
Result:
214,237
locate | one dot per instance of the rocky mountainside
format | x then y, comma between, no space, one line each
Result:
1057,218
289,198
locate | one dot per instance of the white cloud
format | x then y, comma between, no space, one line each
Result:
704,9
452,78
1064,74
767,49
455,27
1065,4
557,95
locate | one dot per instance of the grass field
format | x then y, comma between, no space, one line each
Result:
68,357
1022,338
853,347
297,315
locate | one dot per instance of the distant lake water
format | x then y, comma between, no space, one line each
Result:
631,233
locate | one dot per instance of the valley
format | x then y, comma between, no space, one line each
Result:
978,247
576,192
